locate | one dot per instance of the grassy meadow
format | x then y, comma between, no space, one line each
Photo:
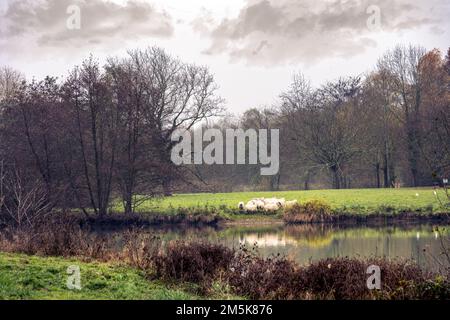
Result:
357,201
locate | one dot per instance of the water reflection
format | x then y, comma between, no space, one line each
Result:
310,243
306,243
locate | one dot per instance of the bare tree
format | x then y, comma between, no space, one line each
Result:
37,107
403,64
435,115
327,123
129,90
295,103
10,80
383,126
179,95
92,125
264,118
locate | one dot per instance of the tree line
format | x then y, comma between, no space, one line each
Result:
103,133
386,128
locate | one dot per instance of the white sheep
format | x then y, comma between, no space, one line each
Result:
280,202
251,206
268,205
271,206
257,203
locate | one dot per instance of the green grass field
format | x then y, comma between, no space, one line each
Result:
361,201
31,277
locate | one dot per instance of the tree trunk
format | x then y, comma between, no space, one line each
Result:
377,171
336,177
103,210
306,185
274,183
386,170
128,205
167,188
413,155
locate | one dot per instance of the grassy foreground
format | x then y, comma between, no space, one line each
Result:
32,277
358,201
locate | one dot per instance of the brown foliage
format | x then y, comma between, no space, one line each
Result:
58,236
258,278
311,211
192,261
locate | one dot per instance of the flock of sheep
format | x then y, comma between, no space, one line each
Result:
268,205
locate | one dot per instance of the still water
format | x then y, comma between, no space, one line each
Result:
306,243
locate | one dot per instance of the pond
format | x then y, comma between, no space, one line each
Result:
305,243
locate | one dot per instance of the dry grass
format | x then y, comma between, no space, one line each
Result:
310,212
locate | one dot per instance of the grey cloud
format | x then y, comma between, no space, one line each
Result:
44,21
282,31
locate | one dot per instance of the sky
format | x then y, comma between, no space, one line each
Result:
253,47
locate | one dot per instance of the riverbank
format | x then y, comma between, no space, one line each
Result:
212,272
361,201
140,264
27,277
354,206
120,221
351,205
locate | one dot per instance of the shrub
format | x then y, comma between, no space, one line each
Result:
345,278
140,248
59,236
336,279
311,211
437,288
197,262
333,278
258,278
276,277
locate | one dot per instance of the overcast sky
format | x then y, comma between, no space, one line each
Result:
252,46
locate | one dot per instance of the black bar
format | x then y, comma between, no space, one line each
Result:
128,310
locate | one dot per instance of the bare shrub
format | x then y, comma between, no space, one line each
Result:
197,262
334,278
23,202
58,236
257,278
345,278
140,248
